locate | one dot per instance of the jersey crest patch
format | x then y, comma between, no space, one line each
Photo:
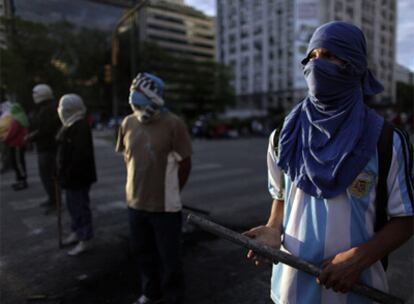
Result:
361,185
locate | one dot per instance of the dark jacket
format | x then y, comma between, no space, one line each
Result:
44,126
76,161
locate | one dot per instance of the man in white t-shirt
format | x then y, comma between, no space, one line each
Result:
157,151
323,178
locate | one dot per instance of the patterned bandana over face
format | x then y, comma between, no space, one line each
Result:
145,96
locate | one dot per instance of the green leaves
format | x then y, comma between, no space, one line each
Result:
67,58
192,87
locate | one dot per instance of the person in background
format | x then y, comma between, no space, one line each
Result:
157,151
323,172
76,170
43,129
13,133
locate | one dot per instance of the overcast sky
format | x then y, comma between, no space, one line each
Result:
405,27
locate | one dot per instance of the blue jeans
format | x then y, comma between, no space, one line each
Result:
77,202
156,237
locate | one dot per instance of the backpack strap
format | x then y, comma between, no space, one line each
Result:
384,148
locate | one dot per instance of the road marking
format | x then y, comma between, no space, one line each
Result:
218,174
211,189
233,203
26,204
96,194
36,231
207,166
111,206
39,222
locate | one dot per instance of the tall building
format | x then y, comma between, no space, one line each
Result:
179,29
171,24
264,42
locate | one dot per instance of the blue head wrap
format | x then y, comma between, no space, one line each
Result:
329,137
155,85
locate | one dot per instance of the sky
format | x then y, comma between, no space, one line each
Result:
405,27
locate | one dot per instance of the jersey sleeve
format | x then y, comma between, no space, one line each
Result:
400,177
275,175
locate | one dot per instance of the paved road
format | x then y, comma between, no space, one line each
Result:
228,180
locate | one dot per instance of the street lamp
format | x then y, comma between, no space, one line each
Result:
115,49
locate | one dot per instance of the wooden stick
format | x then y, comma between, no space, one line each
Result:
276,255
58,198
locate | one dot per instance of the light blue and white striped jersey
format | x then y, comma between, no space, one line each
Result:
316,229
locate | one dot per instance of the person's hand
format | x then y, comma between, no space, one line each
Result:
267,235
342,271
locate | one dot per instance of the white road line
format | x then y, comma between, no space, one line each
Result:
207,166
27,203
115,205
39,222
100,190
217,175
104,174
216,187
36,231
222,204
30,180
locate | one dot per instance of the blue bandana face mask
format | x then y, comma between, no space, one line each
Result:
329,137
329,82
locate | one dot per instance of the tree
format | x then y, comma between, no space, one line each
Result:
405,97
73,59
68,58
192,87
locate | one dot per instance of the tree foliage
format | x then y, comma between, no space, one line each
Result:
405,97
72,59
192,87
67,58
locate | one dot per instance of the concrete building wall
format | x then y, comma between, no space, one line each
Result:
179,29
176,27
378,20
254,38
264,41
177,1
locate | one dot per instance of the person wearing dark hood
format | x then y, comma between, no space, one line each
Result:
76,170
157,152
44,126
323,176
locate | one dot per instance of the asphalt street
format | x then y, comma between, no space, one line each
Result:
228,180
